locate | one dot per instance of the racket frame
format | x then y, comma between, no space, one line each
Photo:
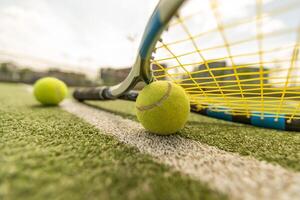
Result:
141,69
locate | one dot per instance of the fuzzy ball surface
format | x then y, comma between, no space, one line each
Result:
162,107
50,91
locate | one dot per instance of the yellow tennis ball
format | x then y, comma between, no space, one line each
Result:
50,91
162,107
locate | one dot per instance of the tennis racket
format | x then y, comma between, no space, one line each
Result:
237,60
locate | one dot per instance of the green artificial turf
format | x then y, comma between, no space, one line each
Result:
47,153
274,146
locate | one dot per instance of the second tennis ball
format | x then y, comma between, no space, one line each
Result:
50,91
162,107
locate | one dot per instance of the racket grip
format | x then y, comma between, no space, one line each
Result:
96,93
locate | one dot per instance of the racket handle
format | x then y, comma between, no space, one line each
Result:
95,93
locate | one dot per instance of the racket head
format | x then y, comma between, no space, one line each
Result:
235,59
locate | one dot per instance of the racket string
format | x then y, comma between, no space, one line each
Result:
272,13
247,64
199,53
290,70
186,71
214,6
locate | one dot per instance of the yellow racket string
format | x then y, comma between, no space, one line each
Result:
260,36
272,13
253,38
247,65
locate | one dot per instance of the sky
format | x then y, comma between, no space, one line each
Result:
76,33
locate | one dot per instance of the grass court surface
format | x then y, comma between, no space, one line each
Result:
48,153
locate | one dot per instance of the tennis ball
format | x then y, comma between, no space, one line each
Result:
50,91
162,107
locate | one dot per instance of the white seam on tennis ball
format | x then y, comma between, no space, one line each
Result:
237,176
159,102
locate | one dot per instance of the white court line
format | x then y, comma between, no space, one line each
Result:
238,177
